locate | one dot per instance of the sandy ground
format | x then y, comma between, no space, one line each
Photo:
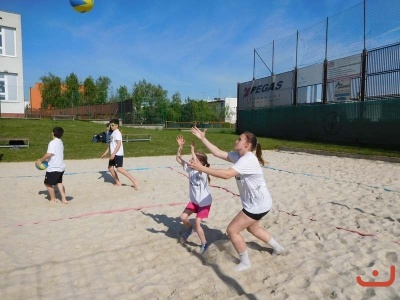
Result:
338,217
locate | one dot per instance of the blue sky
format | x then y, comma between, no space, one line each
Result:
200,49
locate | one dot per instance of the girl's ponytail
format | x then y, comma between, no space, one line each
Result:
202,157
252,139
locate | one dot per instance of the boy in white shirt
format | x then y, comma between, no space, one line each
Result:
56,166
116,150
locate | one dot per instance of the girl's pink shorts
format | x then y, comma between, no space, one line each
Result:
201,211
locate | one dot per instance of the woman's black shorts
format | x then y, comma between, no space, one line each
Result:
256,217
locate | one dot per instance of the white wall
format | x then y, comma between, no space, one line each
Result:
231,103
12,65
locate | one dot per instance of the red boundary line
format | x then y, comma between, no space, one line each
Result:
181,203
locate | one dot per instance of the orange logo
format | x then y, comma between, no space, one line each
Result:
378,283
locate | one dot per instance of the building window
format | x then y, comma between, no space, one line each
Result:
8,87
2,88
7,41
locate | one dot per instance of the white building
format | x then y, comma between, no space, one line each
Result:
11,68
231,105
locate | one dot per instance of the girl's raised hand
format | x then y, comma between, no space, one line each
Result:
194,157
180,140
197,132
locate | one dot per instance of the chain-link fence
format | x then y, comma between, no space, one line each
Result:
335,81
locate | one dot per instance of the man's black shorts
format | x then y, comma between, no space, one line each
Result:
117,162
52,178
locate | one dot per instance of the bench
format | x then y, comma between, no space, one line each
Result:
63,117
136,137
14,142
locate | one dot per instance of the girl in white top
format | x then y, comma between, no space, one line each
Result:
199,194
254,194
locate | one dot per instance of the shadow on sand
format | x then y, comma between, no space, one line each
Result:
175,229
106,177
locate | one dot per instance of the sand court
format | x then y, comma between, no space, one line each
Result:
338,217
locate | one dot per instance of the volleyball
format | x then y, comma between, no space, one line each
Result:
82,6
42,166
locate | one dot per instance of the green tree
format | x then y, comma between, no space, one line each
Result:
200,111
102,86
174,109
188,111
203,111
139,94
89,92
122,93
51,91
217,111
150,102
71,90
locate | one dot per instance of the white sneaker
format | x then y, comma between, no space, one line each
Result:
281,251
203,248
241,267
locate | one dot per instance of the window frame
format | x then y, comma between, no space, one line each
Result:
3,43
7,91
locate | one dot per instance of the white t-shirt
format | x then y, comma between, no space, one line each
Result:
199,192
56,162
252,187
114,137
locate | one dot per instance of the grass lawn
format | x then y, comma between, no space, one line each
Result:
78,141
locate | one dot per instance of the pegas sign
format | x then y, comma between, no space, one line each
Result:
266,92
262,88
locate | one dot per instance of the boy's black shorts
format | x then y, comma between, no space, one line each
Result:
117,162
52,178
